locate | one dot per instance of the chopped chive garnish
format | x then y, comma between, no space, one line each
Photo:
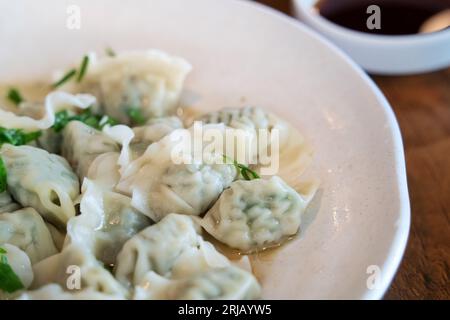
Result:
243,170
3,177
83,68
14,96
9,281
62,118
31,136
106,120
92,122
65,78
17,137
136,116
110,52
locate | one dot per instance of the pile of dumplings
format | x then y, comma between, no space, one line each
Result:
93,213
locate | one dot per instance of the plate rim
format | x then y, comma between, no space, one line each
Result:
397,249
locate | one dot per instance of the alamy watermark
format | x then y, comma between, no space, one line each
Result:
73,281
374,20
209,144
374,279
73,21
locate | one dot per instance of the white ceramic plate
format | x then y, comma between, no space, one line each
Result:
247,54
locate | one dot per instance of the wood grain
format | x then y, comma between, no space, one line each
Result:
422,106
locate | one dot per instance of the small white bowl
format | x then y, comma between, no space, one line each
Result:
382,54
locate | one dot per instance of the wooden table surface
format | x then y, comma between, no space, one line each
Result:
422,106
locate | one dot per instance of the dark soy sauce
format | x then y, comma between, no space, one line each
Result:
398,17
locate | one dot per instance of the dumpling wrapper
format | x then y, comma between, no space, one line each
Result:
54,102
106,222
41,180
172,248
27,230
228,283
154,130
7,204
19,262
150,81
82,144
77,266
160,181
256,214
54,291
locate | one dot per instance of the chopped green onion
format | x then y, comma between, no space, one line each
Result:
106,120
31,136
136,116
62,118
243,170
9,281
14,96
110,52
92,122
17,137
11,136
3,177
65,78
83,68
2,250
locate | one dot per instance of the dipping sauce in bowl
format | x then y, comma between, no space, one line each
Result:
397,17
384,36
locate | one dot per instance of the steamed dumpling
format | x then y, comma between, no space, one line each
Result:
58,236
41,180
172,248
255,214
26,229
54,291
154,130
19,262
228,283
256,121
159,185
243,118
7,204
105,170
50,141
106,222
75,269
149,81
82,144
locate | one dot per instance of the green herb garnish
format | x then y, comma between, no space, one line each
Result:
83,68
136,116
62,118
70,74
9,281
31,136
107,120
14,96
65,78
17,137
92,121
243,170
110,52
3,179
